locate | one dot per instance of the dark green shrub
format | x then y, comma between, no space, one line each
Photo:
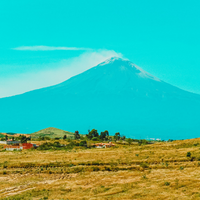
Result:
95,169
5,165
76,135
64,137
188,154
192,158
144,176
142,142
94,138
167,183
129,140
144,165
83,143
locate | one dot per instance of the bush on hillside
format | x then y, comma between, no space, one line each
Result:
83,143
144,165
56,146
188,154
64,137
76,135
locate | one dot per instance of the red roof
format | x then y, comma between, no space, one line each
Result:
27,145
104,144
12,146
24,146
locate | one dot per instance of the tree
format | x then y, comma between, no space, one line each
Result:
117,136
142,142
82,137
6,137
76,135
41,138
104,135
129,140
13,138
92,133
83,143
123,137
188,154
23,139
64,137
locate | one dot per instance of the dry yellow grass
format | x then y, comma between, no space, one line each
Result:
157,171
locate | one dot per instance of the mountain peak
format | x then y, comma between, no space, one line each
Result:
124,65
111,60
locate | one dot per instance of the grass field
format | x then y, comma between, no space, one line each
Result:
157,171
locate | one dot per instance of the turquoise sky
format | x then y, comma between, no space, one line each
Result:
162,37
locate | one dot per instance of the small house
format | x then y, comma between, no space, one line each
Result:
20,146
103,145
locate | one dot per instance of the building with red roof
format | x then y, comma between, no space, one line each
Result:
103,145
20,146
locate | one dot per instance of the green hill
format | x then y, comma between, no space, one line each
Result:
52,133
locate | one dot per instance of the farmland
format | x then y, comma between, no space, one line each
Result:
163,170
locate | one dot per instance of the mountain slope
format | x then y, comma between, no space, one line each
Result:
115,95
115,76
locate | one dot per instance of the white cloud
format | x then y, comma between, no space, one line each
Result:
56,73
49,48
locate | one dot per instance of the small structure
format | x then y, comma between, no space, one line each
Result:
20,146
103,145
9,142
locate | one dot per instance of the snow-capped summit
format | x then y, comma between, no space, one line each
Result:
125,64
116,76
111,60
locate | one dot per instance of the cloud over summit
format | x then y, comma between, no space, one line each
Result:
53,73
50,48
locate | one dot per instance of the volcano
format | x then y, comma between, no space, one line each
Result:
115,95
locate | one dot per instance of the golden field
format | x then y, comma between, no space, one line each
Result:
155,171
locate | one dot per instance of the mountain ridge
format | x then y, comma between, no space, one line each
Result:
142,74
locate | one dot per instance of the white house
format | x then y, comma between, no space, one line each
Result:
9,142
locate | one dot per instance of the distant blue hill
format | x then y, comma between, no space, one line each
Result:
116,95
